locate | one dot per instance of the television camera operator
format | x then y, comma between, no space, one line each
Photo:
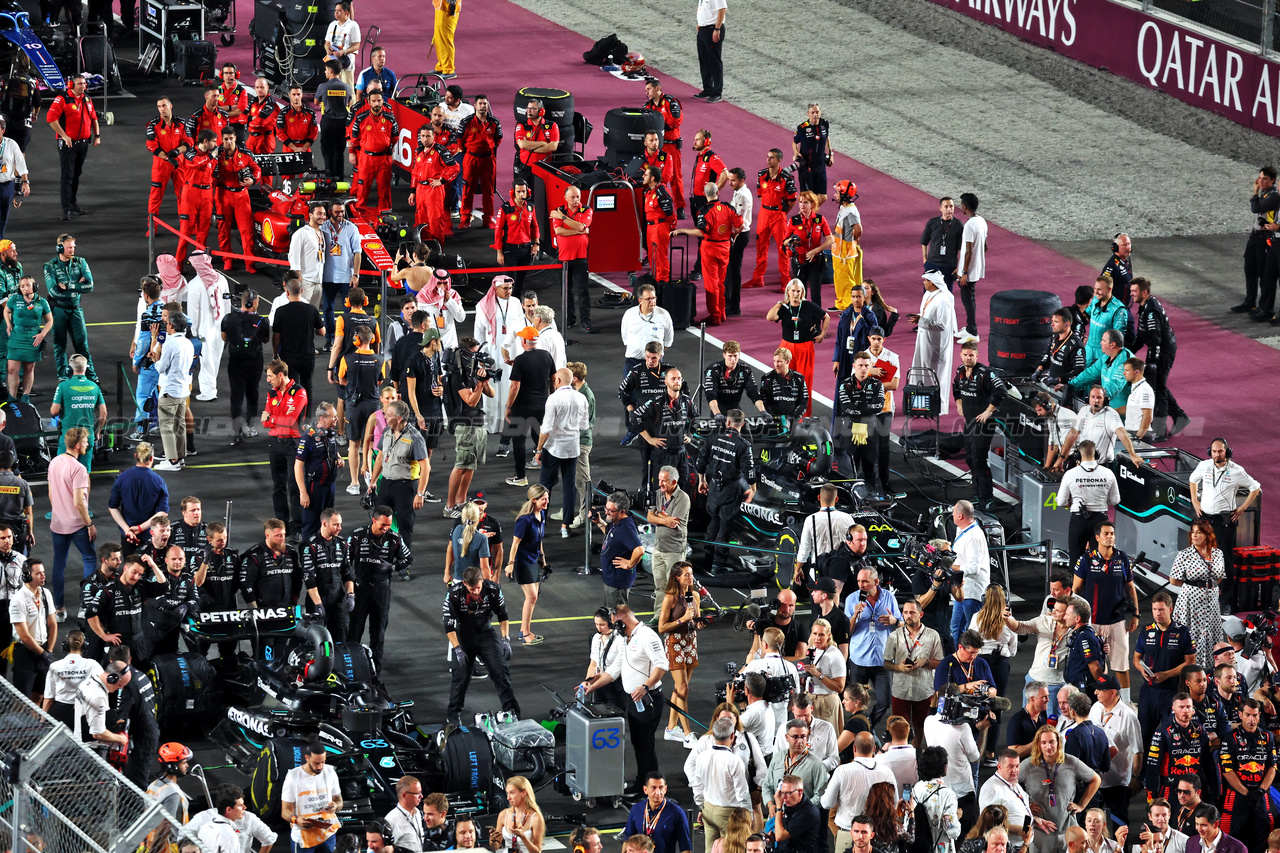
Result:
959,714
935,583
781,614
469,608
774,667
466,383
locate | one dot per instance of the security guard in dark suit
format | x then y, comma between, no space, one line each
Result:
978,393
315,468
726,468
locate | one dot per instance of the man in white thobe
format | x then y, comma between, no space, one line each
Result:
496,314
935,331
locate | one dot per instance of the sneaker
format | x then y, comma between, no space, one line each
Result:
166,465
1179,424
353,489
251,432
453,512
689,740
62,614
577,523
558,515
191,451
517,481
504,450
427,497
1242,308
627,439
989,761
712,99
155,430
404,575
675,733
564,533
205,398
136,434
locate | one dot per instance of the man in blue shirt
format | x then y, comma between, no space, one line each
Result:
341,263
1085,659
1081,737
377,70
873,613
621,551
137,497
662,820
966,668
853,334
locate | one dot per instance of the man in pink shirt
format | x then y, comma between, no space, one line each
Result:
70,523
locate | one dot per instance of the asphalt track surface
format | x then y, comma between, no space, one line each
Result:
1066,192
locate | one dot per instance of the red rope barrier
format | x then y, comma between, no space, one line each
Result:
252,259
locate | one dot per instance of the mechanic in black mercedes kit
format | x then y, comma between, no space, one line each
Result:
190,533
783,390
726,469
316,466
643,383
859,401
663,423
978,393
727,380
327,577
271,569
470,606
376,552
220,564
1064,359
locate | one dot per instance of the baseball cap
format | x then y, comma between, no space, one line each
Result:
429,335
1108,682
529,333
876,332
826,585
1232,626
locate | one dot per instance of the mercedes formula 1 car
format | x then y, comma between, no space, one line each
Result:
302,686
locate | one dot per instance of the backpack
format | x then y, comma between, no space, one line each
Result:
244,342
608,46
922,828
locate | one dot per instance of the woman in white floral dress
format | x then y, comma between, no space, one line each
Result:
1197,571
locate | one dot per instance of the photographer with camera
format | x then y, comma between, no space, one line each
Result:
781,615
640,669
466,384
1104,578
935,586
949,728
797,760
912,653
1249,662
873,614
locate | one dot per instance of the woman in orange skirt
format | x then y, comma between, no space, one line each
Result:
679,620
804,324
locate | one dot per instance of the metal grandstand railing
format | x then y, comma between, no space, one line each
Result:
1249,21
58,796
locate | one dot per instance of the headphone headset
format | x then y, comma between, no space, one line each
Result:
1226,445
1115,246
116,676
605,614
59,245
248,297
384,829
235,67
66,645
26,567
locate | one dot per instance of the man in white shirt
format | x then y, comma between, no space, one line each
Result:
822,735
822,533
1120,722
253,835
1058,420
309,791
544,320
220,834
847,791
1101,424
644,322
770,662
1214,486
13,175
971,265
710,41
640,668
92,702
899,755
1166,838
35,628
455,110
972,558
306,253
342,43
64,679
173,362
563,420
741,201
1141,403
1087,491
962,751
757,718
719,783
1003,789
405,820
496,315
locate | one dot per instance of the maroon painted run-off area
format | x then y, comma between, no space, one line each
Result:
1223,379
1190,65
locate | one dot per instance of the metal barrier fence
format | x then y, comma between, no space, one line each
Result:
1250,21
58,796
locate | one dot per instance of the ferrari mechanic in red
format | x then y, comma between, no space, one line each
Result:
371,137
296,124
262,118
195,210
208,117
237,171
659,216
233,101
718,224
654,155
433,168
536,139
671,141
481,134
167,140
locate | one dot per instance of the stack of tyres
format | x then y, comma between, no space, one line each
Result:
624,132
558,105
1257,571
1020,329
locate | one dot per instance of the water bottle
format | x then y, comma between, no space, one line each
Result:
581,693
640,705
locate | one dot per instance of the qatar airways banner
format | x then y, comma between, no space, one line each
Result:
1186,64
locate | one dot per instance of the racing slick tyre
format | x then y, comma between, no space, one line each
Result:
185,686
1023,313
559,106
624,131
1016,356
468,763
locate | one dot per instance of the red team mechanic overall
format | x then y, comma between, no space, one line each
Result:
659,217
233,102
199,165
237,171
433,168
208,117
810,232
515,233
479,138
535,128
671,143
296,124
708,168
777,192
1248,759
371,138
660,159
167,140
719,224
262,120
